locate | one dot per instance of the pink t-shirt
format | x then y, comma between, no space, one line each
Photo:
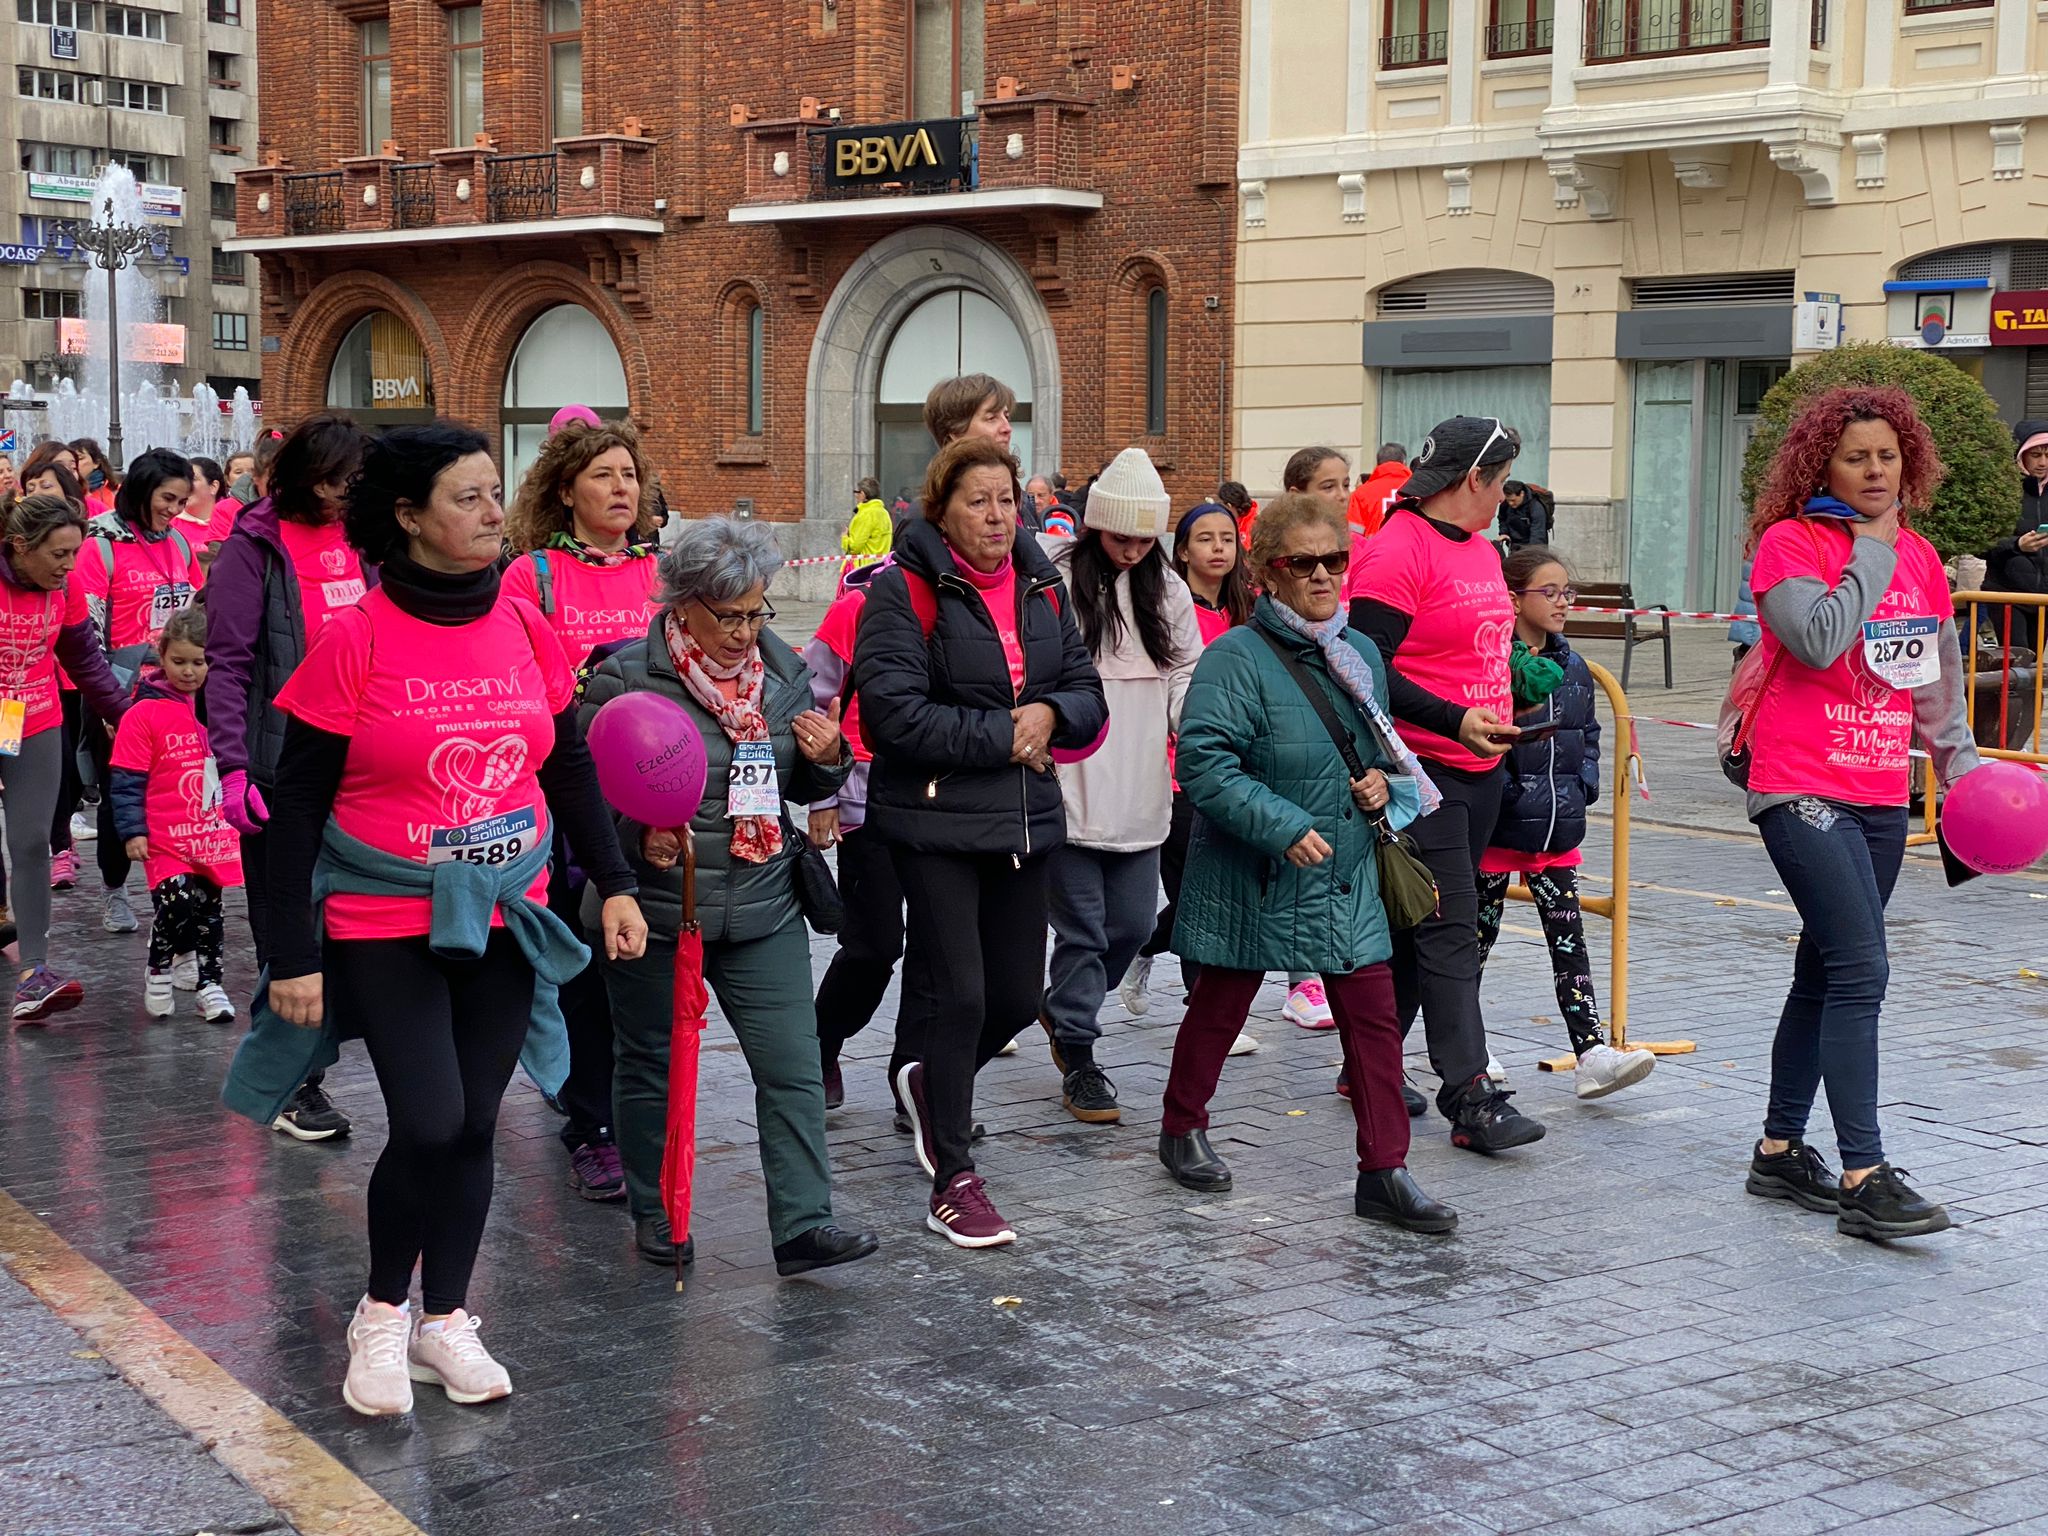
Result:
329,572
1840,731
447,726
998,591
29,621
164,739
217,524
148,584
1461,621
594,604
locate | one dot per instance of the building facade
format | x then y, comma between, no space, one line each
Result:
167,88
1616,223
761,227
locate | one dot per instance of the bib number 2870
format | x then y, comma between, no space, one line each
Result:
1903,652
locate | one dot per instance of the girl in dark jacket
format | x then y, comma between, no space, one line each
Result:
1553,775
969,669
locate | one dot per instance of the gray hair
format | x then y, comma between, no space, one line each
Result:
717,559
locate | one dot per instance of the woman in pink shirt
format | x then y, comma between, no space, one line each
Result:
1858,658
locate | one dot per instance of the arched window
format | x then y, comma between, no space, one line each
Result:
380,373
566,357
1155,363
757,369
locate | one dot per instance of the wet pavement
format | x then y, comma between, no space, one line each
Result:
1618,1339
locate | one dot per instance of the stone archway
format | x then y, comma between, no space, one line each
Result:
891,278
326,316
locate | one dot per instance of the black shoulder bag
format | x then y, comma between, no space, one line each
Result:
1407,888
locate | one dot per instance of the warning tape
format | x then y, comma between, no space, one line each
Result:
1668,613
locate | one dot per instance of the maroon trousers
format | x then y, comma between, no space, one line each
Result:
1363,1005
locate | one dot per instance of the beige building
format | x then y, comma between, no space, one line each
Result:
1614,224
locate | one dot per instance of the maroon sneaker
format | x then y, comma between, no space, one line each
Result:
964,1215
596,1173
910,1094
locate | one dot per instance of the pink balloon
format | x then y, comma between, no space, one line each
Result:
572,413
649,759
1995,818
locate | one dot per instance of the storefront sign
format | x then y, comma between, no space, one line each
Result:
20,255
2019,319
166,204
915,153
394,391
144,343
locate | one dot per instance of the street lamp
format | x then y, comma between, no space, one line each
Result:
111,246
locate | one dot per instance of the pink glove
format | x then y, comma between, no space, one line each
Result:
242,804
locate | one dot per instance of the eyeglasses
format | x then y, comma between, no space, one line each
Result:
733,623
1301,567
1550,594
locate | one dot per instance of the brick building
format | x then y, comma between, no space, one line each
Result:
763,227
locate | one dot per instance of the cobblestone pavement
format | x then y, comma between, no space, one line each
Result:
1618,1339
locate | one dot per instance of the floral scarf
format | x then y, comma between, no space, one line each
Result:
633,549
1355,676
755,839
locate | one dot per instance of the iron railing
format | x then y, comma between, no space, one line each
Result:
1414,48
1917,6
823,188
520,187
312,203
1507,39
1632,29
412,195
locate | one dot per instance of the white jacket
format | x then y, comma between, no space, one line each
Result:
1120,800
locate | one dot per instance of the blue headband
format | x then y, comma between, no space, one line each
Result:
1187,518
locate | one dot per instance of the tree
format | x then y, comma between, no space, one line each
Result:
1977,502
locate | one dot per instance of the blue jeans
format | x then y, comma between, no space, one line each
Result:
1839,862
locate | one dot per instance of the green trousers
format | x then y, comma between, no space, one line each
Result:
763,987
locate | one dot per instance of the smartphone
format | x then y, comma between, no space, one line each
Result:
1534,733
2041,527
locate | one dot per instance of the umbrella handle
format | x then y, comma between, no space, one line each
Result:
689,842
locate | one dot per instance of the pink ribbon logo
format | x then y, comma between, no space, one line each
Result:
473,776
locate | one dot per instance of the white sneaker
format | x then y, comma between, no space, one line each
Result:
185,973
1307,1006
453,1358
214,1004
378,1384
1496,1071
84,828
156,994
1137,1001
1604,1070
1243,1045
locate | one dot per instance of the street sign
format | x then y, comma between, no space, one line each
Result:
64,42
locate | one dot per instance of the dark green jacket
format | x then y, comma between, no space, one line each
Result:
735,901
1260,771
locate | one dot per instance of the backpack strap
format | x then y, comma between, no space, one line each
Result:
184,549
544,583
924,601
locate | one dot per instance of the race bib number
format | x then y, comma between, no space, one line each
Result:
342,594
751,788
494,840
1903,652
165,601
13,715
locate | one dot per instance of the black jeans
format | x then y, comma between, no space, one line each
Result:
107,848
1436,963
976,950
1839,863
870,944
444,1036
1173,864
72,704
586,1094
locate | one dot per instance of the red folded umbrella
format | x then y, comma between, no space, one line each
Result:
686,1030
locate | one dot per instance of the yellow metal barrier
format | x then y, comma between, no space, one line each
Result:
2011,619
1627,770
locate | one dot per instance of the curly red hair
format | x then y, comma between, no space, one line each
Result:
1800,467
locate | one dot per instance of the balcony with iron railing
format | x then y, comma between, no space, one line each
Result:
1519,39
1411,50
1655,29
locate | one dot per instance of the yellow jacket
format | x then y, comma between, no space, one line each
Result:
867,537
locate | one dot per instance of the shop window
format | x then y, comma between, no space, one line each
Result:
374,44
1414,33
465,74
380,369
565,68
1155,363
230,332
1519,28
948,49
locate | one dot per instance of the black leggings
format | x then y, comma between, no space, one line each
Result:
1436,963
108,848
870,944
188,922
444,1036
72,703
1564,932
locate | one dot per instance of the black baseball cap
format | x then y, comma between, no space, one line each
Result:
1454,449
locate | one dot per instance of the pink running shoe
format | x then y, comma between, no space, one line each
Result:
1308,1006
63,870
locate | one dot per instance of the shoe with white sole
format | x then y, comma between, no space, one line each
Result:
214,1004
964,1215
1496,1071
157,997
1243,1045
450,1356
377,1384
84,828
1137,1001
118,915
1604,1070
1007,1048
1308,1006
185,973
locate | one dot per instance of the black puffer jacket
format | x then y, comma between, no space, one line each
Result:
2007,567
936,712
1551,782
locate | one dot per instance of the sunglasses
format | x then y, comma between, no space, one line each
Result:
1301,567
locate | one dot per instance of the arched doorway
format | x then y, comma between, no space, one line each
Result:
380,373
953,332
566,357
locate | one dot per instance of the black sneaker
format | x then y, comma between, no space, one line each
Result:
1797,1174
1487,1122
311,1116
1413,1101
1884,1205
1090,1096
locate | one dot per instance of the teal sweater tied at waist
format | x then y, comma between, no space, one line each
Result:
275,1057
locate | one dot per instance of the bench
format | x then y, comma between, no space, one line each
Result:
1628,628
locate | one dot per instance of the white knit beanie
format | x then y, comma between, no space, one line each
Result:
1129,498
